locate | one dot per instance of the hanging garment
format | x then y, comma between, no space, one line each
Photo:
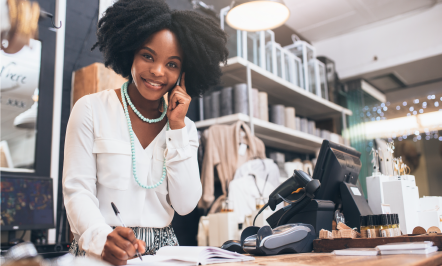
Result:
254,179
226,149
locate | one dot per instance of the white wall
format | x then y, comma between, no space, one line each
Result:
400,41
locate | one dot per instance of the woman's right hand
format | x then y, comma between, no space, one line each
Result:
121,245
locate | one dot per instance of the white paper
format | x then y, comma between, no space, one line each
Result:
410,251
183,255
357,252
356,191
406,245
386,208
159,260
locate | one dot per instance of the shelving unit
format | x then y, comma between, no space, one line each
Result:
279,90
271,134
239,70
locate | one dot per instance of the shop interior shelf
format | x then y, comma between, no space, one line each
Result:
271,134
280,91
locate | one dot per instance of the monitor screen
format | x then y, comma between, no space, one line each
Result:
336,164
26,203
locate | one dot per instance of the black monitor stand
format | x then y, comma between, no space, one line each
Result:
354,204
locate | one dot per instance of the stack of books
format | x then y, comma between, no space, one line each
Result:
425,247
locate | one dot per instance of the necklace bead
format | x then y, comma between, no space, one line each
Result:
155,120
124,97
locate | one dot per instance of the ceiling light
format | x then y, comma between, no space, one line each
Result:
258,15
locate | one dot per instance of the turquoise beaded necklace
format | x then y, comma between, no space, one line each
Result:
124,97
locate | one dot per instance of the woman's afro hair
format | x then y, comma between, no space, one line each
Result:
127,24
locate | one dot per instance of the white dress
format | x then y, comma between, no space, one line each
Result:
98,170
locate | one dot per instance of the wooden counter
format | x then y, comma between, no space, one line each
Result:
325,259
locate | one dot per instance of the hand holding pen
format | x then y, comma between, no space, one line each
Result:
121,244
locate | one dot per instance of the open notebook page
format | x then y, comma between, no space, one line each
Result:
192,255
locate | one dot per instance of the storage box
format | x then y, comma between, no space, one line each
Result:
223,226
430,212
403,197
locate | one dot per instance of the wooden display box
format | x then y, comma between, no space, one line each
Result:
94,78
328,245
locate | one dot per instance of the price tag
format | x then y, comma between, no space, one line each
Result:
242,149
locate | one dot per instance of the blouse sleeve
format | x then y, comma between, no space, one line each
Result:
79,181
184,182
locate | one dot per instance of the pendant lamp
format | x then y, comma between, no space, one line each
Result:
257,15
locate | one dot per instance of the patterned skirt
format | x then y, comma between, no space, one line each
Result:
155,238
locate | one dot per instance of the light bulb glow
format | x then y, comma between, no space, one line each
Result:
257,16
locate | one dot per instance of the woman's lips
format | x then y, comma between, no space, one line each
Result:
150,85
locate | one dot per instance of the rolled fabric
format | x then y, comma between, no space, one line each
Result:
290,117
298,123
263,106
311,127
304,125
325,134
240,99
279,159
226,101
207,108
277,114
215,107
255,102
318,132
334,137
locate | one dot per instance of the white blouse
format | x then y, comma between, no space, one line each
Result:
98,170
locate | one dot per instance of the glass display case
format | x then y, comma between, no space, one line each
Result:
20,76
322,76
307,54
295,63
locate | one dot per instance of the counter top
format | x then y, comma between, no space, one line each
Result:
325,259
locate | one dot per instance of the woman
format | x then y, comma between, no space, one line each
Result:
126,145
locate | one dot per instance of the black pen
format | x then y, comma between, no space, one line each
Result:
117,213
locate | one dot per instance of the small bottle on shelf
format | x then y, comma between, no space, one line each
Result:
370,225
377,225
381,222
363,226
385,231
390,224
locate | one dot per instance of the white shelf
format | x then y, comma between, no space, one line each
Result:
271,134
280,91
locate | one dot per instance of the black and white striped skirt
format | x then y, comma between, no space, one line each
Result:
155,238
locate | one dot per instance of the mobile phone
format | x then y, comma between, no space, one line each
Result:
179,79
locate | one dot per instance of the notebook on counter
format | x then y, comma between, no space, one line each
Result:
356,252
425,247
182,255
406,245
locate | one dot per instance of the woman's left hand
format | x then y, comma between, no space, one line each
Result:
179,102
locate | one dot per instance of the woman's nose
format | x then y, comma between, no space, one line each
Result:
157,70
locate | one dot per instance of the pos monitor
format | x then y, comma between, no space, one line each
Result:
337,168
26,203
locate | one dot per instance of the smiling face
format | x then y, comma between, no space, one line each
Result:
157,65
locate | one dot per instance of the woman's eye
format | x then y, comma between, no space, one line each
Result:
147,56
172,65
